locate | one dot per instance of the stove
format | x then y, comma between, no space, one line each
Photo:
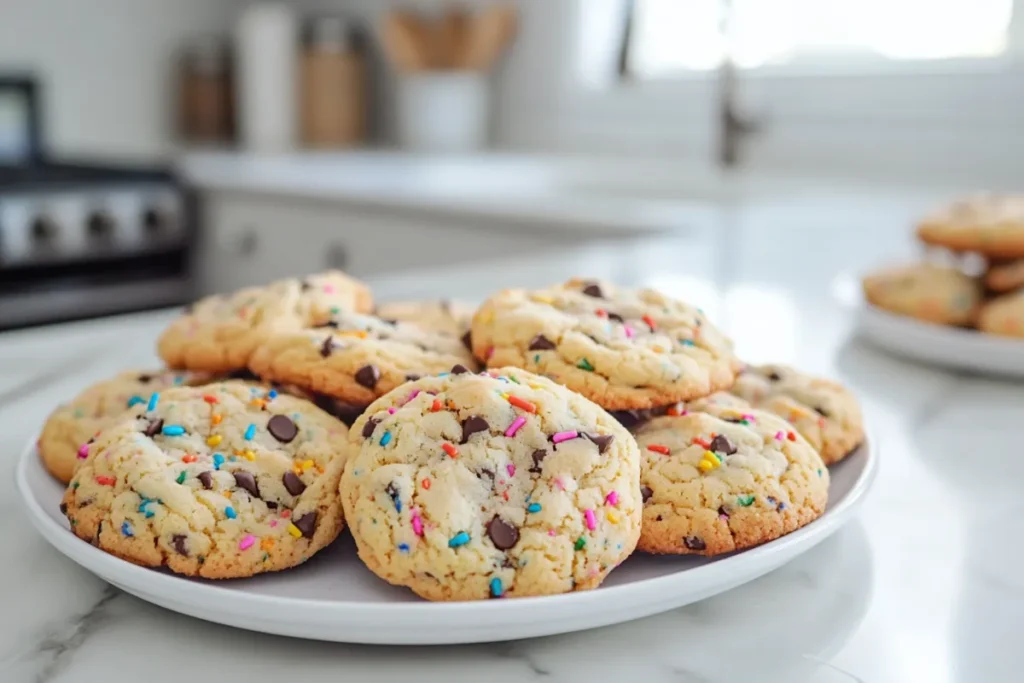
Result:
84,238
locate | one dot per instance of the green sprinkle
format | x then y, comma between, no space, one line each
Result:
266,557
335,310
513,378
181,478
746,501
75,486
581,543
536,358
584,364
819,471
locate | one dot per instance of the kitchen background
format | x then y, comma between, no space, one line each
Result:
384,137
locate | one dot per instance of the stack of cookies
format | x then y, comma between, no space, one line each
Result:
988,226
604,420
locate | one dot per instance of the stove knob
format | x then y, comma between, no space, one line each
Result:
156,220
100,225
44,230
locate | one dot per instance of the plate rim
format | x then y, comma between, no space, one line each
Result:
132,578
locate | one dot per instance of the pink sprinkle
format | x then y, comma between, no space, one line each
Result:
559,483
391,411
559,437
684,412
413,395
273,523
490,352
514,427
551,532
83,451
749,417
629,331
612,498
779,436
511,469
329,289
417,523
588,515
246,542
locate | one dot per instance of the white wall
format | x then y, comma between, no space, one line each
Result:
106,66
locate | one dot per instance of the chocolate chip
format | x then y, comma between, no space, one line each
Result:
145,379
63,508
389,321
616,317
821,411
601,441
734,420
593,290
282,428
695,543
368,428
245,480
153,428
541,343
723,511
178,541
412,377
459,369
774,376
467,340
346,412
502,534
485,473
538,459
472,425
327,348
206,479
306,524
368,376
271,505
293,484
646,493
721,444
330,323
305,286
627,418
247,375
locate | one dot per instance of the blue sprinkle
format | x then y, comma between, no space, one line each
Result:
461,538
442,374
135,400
250,432
533,507
230,512
126,529
218,460
144,507
386,439
153,400
496,589
179,380
232,458
172,430
686,342
272,394
404,547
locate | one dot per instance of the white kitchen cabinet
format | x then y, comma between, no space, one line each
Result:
248,238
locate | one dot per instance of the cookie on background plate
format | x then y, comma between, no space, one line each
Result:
987,223
219,481
1003,316
1006,276
443,316
357,358
464,487
70,425
220,332
823,411
624,349
725,479
927,292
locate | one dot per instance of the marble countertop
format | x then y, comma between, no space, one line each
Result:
924,585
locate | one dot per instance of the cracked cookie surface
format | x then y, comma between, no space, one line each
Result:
624,349
928,292
219,333
725,479
464,487
218,481
443,316
357,358
73,423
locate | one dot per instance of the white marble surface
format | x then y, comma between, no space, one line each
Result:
924,586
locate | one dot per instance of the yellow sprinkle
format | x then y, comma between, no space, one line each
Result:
294,530
258,402
534,385
306,464
504,396
711,455
658,349
705,466
213,440
543,299
612,517
266,544
351,333
248,455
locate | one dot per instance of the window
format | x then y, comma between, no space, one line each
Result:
669,37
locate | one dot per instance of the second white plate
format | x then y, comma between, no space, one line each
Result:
334,597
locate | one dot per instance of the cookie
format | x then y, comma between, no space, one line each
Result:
75,422
219,481
1006,276
624,349
931,293
725,479
444,316
989,223
357,358
464,487
1003,316
219,333
824,412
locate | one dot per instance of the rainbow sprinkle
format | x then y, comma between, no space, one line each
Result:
496,589
230,513
83,451
584,364
144,507
745,501
214,440
533,507
218,460
559,437
511,469
385,439
514,427
126,529
153,400
612,498
417,523
461,538
272,394
135,400
450,449
522,404
172,430
250,432
247,542
404,547
103,480
580,543
588,516
181,477
294,530
779,436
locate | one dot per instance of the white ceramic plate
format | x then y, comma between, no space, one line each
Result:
950,347
334,597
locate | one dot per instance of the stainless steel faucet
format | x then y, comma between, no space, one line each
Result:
733,126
